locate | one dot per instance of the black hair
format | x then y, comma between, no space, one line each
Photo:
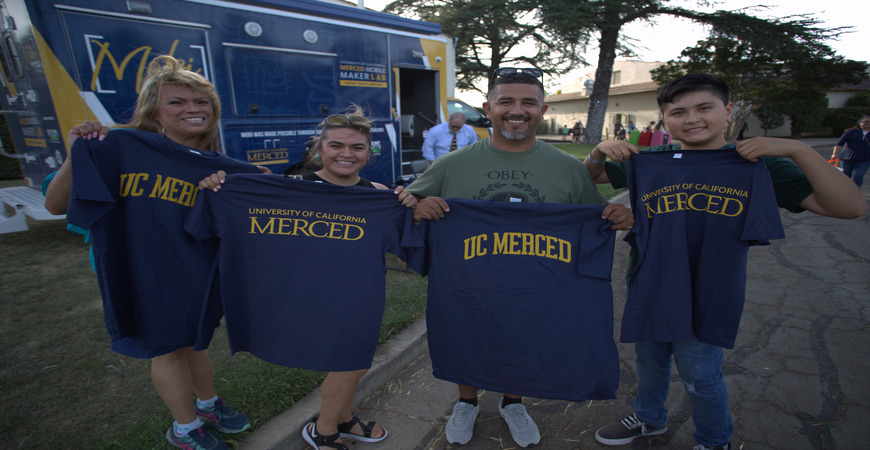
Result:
692,83
517,78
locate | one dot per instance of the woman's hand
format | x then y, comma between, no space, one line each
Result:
88,130
213,181
405,197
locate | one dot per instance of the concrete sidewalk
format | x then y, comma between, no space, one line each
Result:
797,377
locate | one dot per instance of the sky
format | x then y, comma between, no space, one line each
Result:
667,37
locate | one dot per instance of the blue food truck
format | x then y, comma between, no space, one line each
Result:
280,67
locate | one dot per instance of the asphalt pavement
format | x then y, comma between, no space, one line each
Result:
797,376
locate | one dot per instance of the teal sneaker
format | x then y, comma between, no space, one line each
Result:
223,417
198,439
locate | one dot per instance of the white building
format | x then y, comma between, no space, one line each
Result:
633,98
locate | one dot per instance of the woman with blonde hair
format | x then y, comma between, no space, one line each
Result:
152,313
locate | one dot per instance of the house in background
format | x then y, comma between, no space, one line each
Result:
633,97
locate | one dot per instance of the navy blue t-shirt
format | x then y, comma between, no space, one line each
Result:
133,190
696,215
302,266
520,299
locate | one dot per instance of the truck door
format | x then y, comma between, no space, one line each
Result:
26,106
420,110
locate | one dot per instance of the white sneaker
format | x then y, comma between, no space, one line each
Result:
523,428
460,427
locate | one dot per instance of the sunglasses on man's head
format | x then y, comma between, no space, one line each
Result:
339,120
508,71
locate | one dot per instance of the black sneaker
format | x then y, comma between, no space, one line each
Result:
624,431
721,447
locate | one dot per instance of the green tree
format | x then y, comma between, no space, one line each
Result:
773,68
860,99
488,31
736,33
841,119
581,21
488,35
770,116
806,112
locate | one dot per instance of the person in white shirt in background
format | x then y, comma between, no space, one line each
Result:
448,136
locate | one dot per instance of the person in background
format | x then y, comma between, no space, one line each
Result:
183,108
447,137
743,129
646,135
618,131
577,132
853,151
659,135
563,131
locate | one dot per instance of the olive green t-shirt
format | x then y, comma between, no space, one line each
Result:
542,174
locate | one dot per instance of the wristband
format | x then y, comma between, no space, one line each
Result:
593,161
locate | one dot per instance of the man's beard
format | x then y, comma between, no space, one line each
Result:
514,136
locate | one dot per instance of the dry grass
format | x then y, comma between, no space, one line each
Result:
62,387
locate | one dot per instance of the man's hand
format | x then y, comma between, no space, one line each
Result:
430,208
620,215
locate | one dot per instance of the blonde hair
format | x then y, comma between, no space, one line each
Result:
354,118
164,70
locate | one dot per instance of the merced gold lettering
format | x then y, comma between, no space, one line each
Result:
514,243
288,226
171,189
731,201
699,201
